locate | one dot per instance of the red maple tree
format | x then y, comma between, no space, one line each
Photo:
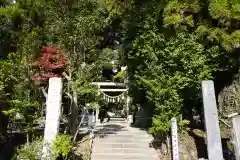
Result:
52,63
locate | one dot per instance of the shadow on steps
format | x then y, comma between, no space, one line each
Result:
107,129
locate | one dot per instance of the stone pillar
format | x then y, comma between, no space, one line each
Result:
236,135
97,110
97,113
53,113
129,116
214,144
174,134
91,119
128,103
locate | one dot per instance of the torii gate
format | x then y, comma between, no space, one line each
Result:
113,84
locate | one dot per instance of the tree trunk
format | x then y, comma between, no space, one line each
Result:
3,129
73,115
72,118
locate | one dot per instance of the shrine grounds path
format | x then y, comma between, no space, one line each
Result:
116,140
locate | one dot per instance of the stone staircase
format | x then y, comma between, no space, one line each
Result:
116,140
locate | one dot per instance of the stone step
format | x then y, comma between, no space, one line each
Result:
150,151
119,141
122,140
130,133
143,144
112,129
124,133
121,130
123,137
117,119
115,156
119,127
119,145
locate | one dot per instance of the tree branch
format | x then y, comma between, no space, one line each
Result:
66,76
225,122
44,92
69,95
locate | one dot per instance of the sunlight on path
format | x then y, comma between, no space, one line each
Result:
118,141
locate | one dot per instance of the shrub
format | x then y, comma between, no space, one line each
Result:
62,145
33,151
30,151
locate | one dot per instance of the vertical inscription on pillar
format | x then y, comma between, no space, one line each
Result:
174,133
211,121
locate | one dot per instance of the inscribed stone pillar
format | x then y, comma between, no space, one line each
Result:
214,143
174,134
236,135
53,112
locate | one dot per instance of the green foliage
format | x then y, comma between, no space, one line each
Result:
133,108
32,151
220,9
93,105
183,123
82,84
21,105
121,75
115,7
225,12
79,31
164,68
62,145
11,11
169,47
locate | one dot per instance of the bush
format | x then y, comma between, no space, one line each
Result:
62,145
30,151
169,71
33,151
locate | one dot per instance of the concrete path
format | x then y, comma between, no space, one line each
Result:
116,140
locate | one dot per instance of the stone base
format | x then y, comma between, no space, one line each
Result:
130,119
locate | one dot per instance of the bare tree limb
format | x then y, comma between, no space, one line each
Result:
66,76
232,115
69,95
225,123
44,92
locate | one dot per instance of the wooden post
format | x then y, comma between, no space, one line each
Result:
236,135
175,153
214,143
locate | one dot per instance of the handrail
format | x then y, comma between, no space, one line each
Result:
91,137
84,113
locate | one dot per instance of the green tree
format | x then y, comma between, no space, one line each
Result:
164,69
203,32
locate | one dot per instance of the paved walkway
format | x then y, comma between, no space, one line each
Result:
118,141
